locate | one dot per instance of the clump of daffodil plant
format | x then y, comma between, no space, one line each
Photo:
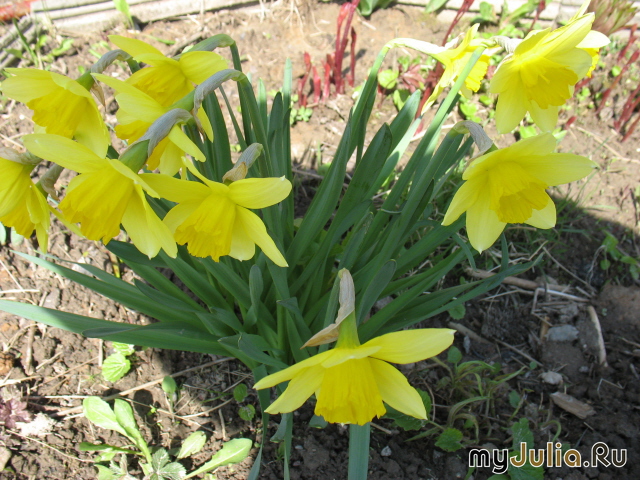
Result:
261,281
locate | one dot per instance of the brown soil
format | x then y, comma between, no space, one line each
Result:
509,324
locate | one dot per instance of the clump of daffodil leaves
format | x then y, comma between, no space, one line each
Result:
258,282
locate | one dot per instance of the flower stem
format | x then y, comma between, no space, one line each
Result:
359,436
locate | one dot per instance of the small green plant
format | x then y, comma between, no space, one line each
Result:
246,412
474,385
33,53
155,462
408,76
613,253
123,7
118,364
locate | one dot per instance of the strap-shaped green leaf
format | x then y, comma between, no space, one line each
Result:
172,337
118,290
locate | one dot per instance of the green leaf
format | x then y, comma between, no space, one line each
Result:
124,416
435,5
388,79
240,392
521,434
457,312
318,422
400,97
454,355
172,471
115,367
98,412
123,348
449,440
192,444
104,473
514,399
234,451
169,385
247,412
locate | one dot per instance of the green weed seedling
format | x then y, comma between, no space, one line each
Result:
248,411
33,53
118,364
474,385
613,253
156,463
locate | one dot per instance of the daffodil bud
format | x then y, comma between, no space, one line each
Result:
136,155
242,166
478,134
347,299
212,83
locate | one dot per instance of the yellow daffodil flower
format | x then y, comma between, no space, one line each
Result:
61,105
22,205
213,218
540,74
352,381
137,111
168,80
508,186
454,57
105,194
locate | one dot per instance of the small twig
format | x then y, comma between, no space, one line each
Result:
602,352
47,362
48,380
518,351
224,429
567,270
468,332
28,356
382,429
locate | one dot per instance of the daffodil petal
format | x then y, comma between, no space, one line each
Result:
341,355
205,123
258,193
396,391
179,214
133,46
545,118
463,199
119,86
174,189
197,66
63,151
27,84
300,388
544,218
92,132
179,138
140,106
510,110
258,233
558,168
146,230
242,247
290,372
483,225
594,39
408,346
